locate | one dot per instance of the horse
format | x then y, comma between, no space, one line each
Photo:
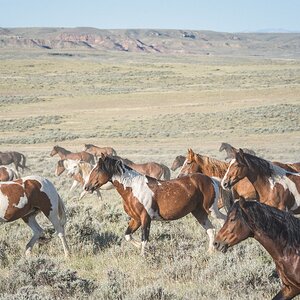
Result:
178,162
97,151
217,169
24,198
277,231
230,150
274,185
79,171
8,174
66,154
13,157
152,169
146,198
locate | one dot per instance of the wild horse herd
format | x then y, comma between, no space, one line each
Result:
248,195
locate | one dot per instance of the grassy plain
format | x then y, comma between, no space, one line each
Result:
148,107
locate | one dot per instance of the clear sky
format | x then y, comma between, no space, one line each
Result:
218,15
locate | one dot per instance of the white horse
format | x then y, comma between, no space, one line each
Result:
79,171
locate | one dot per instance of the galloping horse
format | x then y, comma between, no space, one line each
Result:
8,174
13,157
178,162
277,231
215,168
78,170
146,198
274,185
97,151
66,154
230,150
25,198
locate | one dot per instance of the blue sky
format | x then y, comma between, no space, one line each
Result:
219,15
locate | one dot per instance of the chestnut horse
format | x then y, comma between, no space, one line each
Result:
217,169
277,231
97,151
25,198
178,162
274,185
8,174
13,157
230,150
146,198
66,154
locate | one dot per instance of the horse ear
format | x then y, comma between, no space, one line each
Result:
102,156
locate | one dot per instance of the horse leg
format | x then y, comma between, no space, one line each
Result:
133,225
75,183
146,222
37,231
202,218
215,213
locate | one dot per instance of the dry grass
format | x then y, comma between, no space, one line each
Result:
148,108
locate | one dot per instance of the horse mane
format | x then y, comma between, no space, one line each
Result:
61,149
115,166
217,167
261,166
276,224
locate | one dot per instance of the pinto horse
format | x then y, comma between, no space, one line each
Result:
178,162
25,198
277,231
230,150
98,151
217,169
8,174
274,185
13,157
146,198
66,154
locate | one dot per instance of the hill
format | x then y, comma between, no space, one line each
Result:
153,41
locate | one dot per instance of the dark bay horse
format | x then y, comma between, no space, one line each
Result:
98,151
274,185
178,162
146,198
277,231
230,150
24,198
66,154
13,157
215,168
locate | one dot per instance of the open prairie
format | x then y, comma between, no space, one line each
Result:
149,108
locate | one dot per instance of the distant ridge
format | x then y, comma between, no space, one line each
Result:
153,41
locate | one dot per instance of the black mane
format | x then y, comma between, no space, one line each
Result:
114,166
278,225
260,165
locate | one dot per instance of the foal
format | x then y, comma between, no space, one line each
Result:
146,198
277,231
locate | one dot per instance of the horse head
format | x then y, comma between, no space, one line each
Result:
190,164
54,151
235,229
237,170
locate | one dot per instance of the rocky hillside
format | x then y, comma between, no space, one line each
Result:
153,41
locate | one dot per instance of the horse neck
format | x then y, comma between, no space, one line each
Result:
62,151
212,167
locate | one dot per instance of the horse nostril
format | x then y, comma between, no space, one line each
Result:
216,244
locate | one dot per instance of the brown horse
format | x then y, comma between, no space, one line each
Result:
25,198
97,151
8,174
146,199
66,154
178,162
274,185
13,157
215,168
277,231
230,150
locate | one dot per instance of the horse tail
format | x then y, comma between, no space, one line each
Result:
62,212
23,164
167,172
228,199
15,174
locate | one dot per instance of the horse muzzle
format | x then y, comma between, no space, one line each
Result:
220,246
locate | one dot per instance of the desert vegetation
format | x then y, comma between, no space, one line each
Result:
149,108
